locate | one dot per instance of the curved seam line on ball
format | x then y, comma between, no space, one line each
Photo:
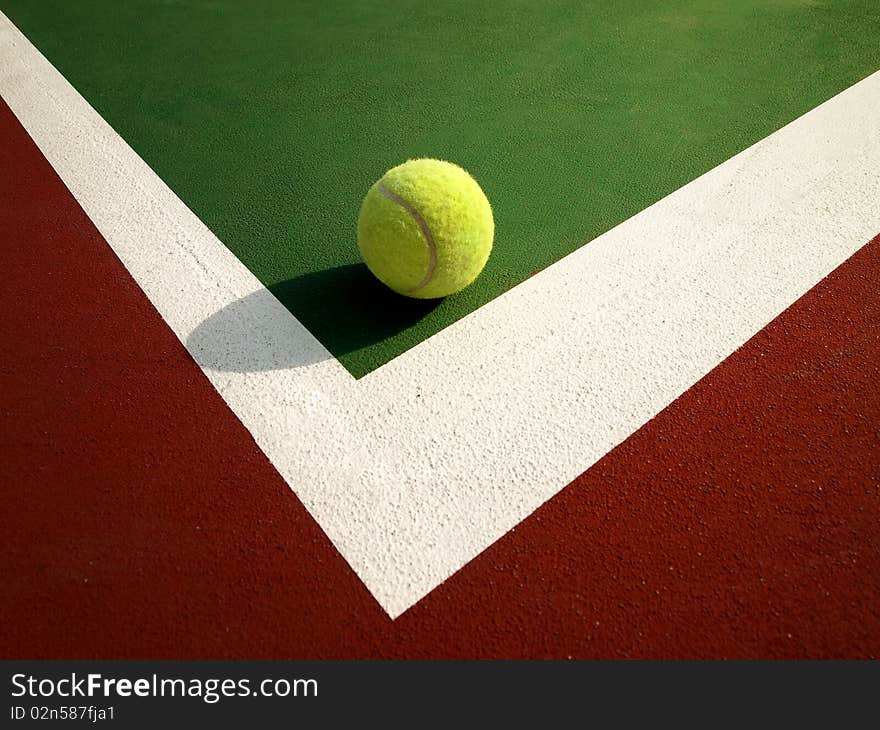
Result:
426,232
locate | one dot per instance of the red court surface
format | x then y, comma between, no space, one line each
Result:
140,520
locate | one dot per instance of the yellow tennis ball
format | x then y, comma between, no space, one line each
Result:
425,229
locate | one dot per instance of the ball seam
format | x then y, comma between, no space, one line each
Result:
426,232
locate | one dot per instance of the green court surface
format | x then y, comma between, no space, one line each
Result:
271,119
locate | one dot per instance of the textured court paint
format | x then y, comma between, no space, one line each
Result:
135,506
740,522
551,376
271,119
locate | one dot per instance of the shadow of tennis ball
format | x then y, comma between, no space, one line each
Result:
341,310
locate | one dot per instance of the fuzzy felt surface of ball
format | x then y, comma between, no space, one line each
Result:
425,229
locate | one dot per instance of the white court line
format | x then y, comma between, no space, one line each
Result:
419,466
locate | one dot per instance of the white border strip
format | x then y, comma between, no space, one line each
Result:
419,466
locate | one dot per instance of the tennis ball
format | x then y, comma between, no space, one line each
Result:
425,229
